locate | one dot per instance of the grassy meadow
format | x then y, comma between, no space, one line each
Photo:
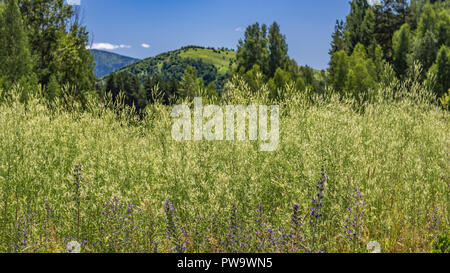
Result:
220,58
118,183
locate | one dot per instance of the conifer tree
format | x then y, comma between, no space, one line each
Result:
337,38
253,49
353,32
15,57
401,48
278,49
368,32
441,68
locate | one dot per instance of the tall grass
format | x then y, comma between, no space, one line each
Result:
118,183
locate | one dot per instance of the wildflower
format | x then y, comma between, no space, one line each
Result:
353,228
73,247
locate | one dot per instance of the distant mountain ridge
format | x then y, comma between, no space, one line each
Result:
107,62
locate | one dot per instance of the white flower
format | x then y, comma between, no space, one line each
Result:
73,247
374,247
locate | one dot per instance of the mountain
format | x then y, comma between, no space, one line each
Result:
107,62
211,64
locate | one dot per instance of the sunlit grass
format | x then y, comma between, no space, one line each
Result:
395,153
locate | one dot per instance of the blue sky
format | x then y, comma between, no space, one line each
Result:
145,28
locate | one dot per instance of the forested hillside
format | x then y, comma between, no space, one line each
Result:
107,62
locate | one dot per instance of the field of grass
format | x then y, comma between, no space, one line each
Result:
116,183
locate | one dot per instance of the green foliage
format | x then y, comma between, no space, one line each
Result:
208,62
361,74
254,78
401,47
408,33
15,56
300,84
190,85
390,16
354,32
308,74
428,21
379,60
425,50
338,71
445,101
337,38
444,28
53,90
278,49
107,62
167,88
269,51
253,49
58,45
354,76
277,85
441,244
211,91
263,58
368,31
441,69
128,85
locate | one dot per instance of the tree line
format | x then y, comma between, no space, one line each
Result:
393,32
44,47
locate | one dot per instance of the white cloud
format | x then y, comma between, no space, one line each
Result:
107,46
239,29
145,45
74,2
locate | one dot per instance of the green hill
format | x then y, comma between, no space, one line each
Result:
212,64
107,62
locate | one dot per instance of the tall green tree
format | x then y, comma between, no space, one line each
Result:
444,28
338,71
401,47
428,21
278,49
425,49
337,38
368,32
15,57
441,68
353,32
190,86
58,44
361,76
390,16
414,11
253,49
379,61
